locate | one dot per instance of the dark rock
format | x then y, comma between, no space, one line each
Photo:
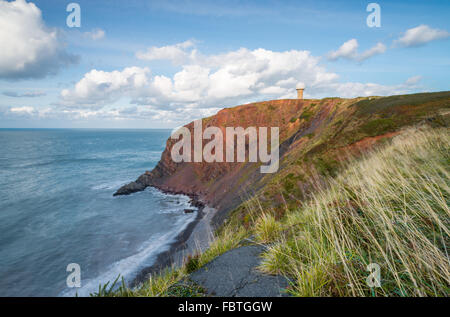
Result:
234,273
130,188
196,203
189,211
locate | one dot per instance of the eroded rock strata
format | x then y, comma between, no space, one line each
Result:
314,136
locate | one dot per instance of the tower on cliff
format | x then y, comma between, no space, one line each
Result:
300,88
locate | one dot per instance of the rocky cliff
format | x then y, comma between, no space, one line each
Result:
315,135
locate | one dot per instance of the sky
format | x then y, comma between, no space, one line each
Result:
162,64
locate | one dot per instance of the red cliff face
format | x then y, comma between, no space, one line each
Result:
217,184
312,133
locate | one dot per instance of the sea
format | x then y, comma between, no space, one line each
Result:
57,208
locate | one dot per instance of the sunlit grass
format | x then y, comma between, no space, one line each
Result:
389,208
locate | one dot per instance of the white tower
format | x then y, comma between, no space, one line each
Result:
300,88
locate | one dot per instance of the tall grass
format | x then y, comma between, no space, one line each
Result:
390,208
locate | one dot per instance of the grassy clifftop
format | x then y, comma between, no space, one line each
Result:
361,181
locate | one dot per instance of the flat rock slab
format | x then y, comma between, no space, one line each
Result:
234,274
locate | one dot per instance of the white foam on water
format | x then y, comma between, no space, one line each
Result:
109,185
130,266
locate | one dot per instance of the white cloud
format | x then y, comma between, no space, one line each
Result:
207,83
143,114
95,34
349,50
28,48
350,90
32,94
379,48
421,35
413,80
177,53
22,110
98,87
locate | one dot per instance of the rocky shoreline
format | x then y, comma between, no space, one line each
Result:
169,257
183,243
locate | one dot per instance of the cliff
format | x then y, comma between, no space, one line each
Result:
315,136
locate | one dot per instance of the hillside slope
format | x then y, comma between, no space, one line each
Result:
386,211
315,135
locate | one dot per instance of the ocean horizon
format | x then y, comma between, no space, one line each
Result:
57,208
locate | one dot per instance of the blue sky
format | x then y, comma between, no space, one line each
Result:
161,64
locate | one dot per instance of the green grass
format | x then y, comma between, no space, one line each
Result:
384,104
326,166
390,208
185,290
267,228
306,115
378,127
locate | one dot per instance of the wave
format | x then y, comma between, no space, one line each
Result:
50,162
114,185
130,266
